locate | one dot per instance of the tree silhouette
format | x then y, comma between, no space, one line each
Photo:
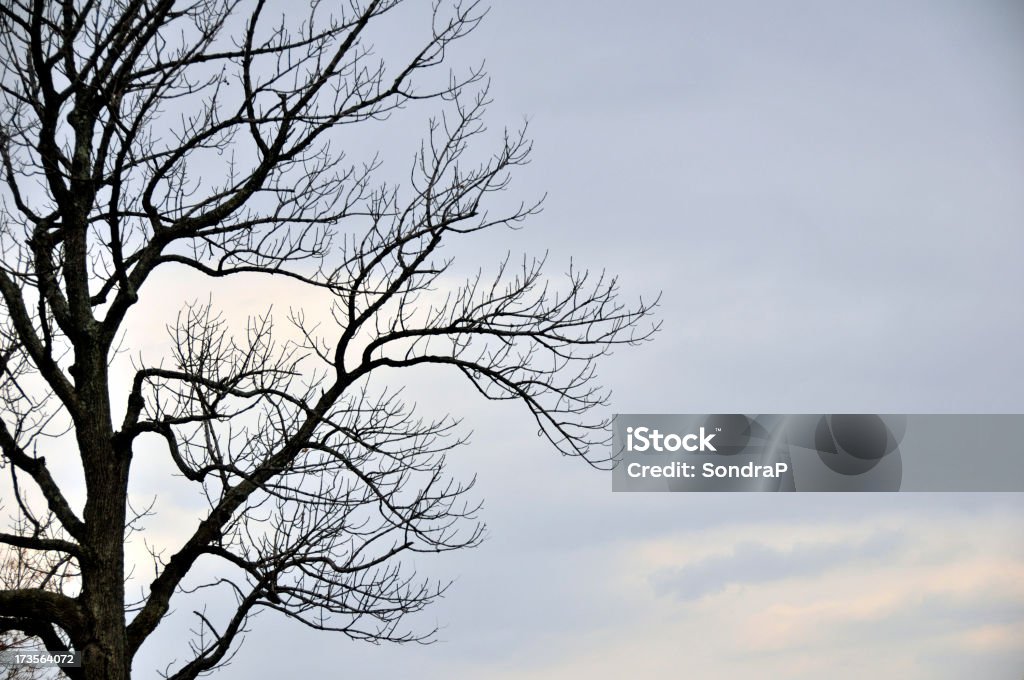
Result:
145,135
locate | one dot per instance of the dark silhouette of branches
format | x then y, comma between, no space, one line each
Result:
30,570
138,135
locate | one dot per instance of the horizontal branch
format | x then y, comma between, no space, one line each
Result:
42,544
44,605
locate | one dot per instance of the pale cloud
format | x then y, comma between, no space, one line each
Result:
1006,637
885,607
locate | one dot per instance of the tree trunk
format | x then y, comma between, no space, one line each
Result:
105,650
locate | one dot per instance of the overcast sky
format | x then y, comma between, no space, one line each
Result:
829,196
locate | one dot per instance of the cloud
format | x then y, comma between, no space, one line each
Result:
908,595
751,563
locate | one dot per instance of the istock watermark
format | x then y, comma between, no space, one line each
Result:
646,439
818,452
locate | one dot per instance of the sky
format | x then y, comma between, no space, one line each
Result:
828,196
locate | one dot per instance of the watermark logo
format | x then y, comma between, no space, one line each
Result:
647,439
818,452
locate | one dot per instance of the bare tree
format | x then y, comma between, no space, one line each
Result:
138,135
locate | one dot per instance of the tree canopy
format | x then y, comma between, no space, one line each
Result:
138,136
